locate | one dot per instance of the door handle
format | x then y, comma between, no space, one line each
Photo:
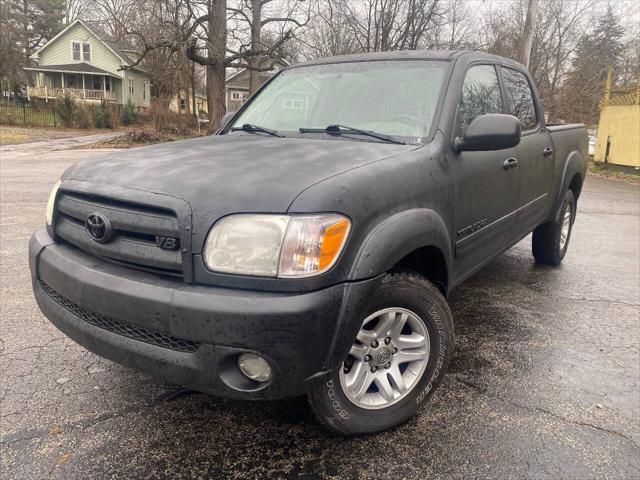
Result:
547,152
510,163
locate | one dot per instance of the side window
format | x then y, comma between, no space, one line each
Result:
76,50
520,98
86,52
480,95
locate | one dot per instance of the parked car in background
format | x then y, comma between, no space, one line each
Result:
310,246
593,143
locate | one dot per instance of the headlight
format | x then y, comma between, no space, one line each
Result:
276,245
51,203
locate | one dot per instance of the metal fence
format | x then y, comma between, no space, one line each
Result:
20,113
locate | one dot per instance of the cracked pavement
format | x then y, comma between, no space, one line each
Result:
544,381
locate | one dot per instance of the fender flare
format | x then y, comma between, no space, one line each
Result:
396,237
572,165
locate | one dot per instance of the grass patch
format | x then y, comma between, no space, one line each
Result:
10,135
9,138
615,172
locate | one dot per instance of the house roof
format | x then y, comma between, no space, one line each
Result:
119,48
81,67
280,61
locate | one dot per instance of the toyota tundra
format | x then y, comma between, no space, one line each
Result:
310,245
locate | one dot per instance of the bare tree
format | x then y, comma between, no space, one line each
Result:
199,29
76,9
326,35
117,16
249,18
380,25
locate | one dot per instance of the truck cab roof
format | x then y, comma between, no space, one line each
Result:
443,55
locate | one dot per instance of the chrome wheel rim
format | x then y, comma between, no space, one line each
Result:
566,227
387,359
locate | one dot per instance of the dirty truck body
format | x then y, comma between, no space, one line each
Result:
292,253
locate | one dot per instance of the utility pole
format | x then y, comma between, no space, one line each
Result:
529,32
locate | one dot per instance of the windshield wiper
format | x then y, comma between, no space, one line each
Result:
338,129
251,128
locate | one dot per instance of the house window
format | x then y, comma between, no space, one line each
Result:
235,95
96,82
293,104
86,52
81,51
76,51
183,103
107,84
132,89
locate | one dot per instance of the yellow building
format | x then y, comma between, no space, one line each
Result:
183,102
619,127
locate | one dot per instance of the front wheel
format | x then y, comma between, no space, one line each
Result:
397,360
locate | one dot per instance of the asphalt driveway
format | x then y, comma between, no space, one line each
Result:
544,382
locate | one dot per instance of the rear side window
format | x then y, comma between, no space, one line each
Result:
480,95
520,98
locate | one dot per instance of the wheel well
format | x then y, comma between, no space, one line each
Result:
429,262
576,185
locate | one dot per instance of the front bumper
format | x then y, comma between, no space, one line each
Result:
191,335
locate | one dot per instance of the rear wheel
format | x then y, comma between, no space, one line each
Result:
397,359
551,240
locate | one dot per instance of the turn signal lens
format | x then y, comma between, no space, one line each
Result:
312,244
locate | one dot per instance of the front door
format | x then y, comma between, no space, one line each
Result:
535,152
485,192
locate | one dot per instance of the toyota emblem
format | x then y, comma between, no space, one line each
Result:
98,227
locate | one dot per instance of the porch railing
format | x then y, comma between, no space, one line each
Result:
79,93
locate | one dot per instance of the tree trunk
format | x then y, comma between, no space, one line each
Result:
217,49
256,32
529,32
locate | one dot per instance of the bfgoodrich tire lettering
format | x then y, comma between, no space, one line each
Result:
411,292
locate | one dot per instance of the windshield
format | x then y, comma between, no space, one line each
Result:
397,98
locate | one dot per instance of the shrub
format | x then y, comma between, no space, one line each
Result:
66,109
102,118
83,118
129,114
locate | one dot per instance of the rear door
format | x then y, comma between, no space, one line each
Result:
535,152
485,192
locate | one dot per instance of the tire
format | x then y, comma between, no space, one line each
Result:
547,242
402,295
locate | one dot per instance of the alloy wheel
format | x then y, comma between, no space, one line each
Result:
387,359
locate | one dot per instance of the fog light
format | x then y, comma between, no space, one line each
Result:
255,367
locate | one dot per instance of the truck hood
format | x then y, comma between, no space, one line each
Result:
219,175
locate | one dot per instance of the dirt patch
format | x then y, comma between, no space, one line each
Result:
613,172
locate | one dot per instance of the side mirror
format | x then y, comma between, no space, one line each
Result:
493,131
226,118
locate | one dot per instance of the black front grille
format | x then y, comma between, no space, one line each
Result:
139,233
135,332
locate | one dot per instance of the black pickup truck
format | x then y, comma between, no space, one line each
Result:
310,245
